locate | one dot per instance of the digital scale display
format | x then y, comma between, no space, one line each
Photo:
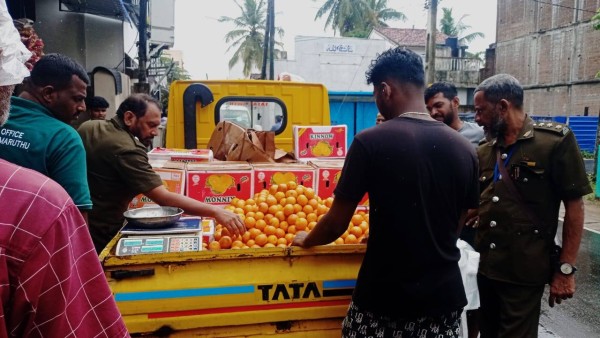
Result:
147,245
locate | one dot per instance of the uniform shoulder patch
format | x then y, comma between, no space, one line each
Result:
554,127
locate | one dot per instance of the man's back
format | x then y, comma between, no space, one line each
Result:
51,282
419,175
34,139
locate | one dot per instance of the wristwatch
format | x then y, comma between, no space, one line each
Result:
566,269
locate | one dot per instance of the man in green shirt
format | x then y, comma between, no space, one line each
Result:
38,134
118,170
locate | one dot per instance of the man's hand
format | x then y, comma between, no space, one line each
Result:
299,238
231,221
561,288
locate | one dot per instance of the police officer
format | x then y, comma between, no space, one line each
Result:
526,170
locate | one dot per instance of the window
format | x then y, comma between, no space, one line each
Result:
261,114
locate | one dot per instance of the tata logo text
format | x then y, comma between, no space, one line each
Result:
289,291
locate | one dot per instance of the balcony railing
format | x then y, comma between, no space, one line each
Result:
457,64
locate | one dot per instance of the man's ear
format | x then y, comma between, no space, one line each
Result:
129,118
504,106
47,94
456,102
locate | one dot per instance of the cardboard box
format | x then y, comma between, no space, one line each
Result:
328,175
208,230
219,182
266,175
181,155
173,178
322,142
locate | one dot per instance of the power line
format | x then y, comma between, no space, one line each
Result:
563,6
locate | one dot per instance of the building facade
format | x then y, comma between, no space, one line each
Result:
554,51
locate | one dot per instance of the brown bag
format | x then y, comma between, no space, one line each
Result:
230,142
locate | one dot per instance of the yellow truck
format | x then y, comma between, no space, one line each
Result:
195,108
254,292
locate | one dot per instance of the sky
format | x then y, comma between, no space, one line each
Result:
201,37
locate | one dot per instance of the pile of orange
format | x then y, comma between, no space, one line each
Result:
274,215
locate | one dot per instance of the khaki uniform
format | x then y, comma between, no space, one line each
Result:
546,167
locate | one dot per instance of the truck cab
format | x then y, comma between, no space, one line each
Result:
195,108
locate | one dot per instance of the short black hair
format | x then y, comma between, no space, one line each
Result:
96,102
56,70
138,104
400,64
446,88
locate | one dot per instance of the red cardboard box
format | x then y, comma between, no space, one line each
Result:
173,178
266,175
181,155
322,142
328,175
219,182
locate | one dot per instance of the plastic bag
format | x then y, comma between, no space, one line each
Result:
13,53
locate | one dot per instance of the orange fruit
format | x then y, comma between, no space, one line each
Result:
302,200
250,201
259,215
292,219
272,239
356,219
290,200
311,225
227,243
356,231
246,236
250,214
274,222
268,217
301,224
271,200
273,209
301,214
260,225
291,229
311,217
283,225
309,193
282,241
364,226
340,240
270,230
269,245
218,234
288,209
322,209
280,233
253,233
240,203
308,209
239,211
250,243
261,240
292,185
280,215
328,202
250,222
350,239
282,187
273,189
300,190
297,207
263,207
214,245
313,203
289,237
279,195
234,201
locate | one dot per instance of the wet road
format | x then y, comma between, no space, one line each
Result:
579,316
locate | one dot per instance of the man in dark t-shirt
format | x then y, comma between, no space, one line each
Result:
421,177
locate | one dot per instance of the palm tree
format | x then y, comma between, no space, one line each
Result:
455,29
357,17
249,35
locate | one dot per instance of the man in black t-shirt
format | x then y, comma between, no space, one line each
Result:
421,177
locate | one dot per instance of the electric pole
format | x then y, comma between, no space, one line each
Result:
431,42
142,86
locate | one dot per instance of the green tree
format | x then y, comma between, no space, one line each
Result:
356,18
453,28
172,72
249,35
